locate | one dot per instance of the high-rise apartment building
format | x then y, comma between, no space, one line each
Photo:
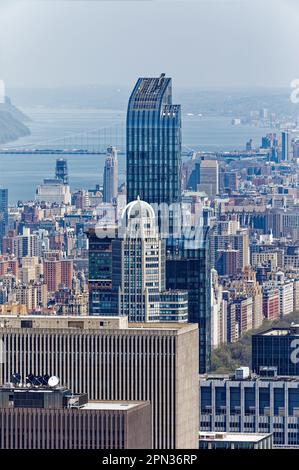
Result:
109,359
286,146
153,142
127,270
110,179
33,295
142,271
21,245
227,262
58,272
236,239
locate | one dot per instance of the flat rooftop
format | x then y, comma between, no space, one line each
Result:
110,405
253,378
232,437
70,322
292,330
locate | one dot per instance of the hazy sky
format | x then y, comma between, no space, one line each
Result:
45,43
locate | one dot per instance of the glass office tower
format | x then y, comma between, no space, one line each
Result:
188,268
103,299
61,171
153,142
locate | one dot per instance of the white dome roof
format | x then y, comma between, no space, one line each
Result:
138,220
139,209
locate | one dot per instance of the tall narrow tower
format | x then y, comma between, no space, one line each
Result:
141,258
110,180
61,172
286,146
153,142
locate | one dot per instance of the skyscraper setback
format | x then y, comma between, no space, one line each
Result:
153,142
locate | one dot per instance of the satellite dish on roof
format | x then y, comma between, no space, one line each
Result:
53,381
15,379
30,379
45,379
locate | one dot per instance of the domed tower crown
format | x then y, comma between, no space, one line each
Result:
139,220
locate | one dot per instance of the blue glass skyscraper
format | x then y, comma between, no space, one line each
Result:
153,173
153,142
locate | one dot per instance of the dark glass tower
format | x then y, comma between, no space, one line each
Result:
103,299
188,268
153,174
153,142
3,214
61,172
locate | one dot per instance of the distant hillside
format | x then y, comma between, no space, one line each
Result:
230,356
12,123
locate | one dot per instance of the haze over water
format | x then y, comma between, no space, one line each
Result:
22,173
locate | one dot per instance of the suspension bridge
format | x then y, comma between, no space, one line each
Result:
91,142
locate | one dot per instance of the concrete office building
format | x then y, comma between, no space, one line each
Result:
43,417
53,191
109,359
234,441
260,404
209,177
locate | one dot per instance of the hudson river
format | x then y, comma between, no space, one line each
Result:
66,128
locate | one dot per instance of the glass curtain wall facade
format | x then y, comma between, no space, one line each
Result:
153,142
188,268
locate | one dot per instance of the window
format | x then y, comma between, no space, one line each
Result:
26,323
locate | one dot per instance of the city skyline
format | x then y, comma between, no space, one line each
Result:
149,231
